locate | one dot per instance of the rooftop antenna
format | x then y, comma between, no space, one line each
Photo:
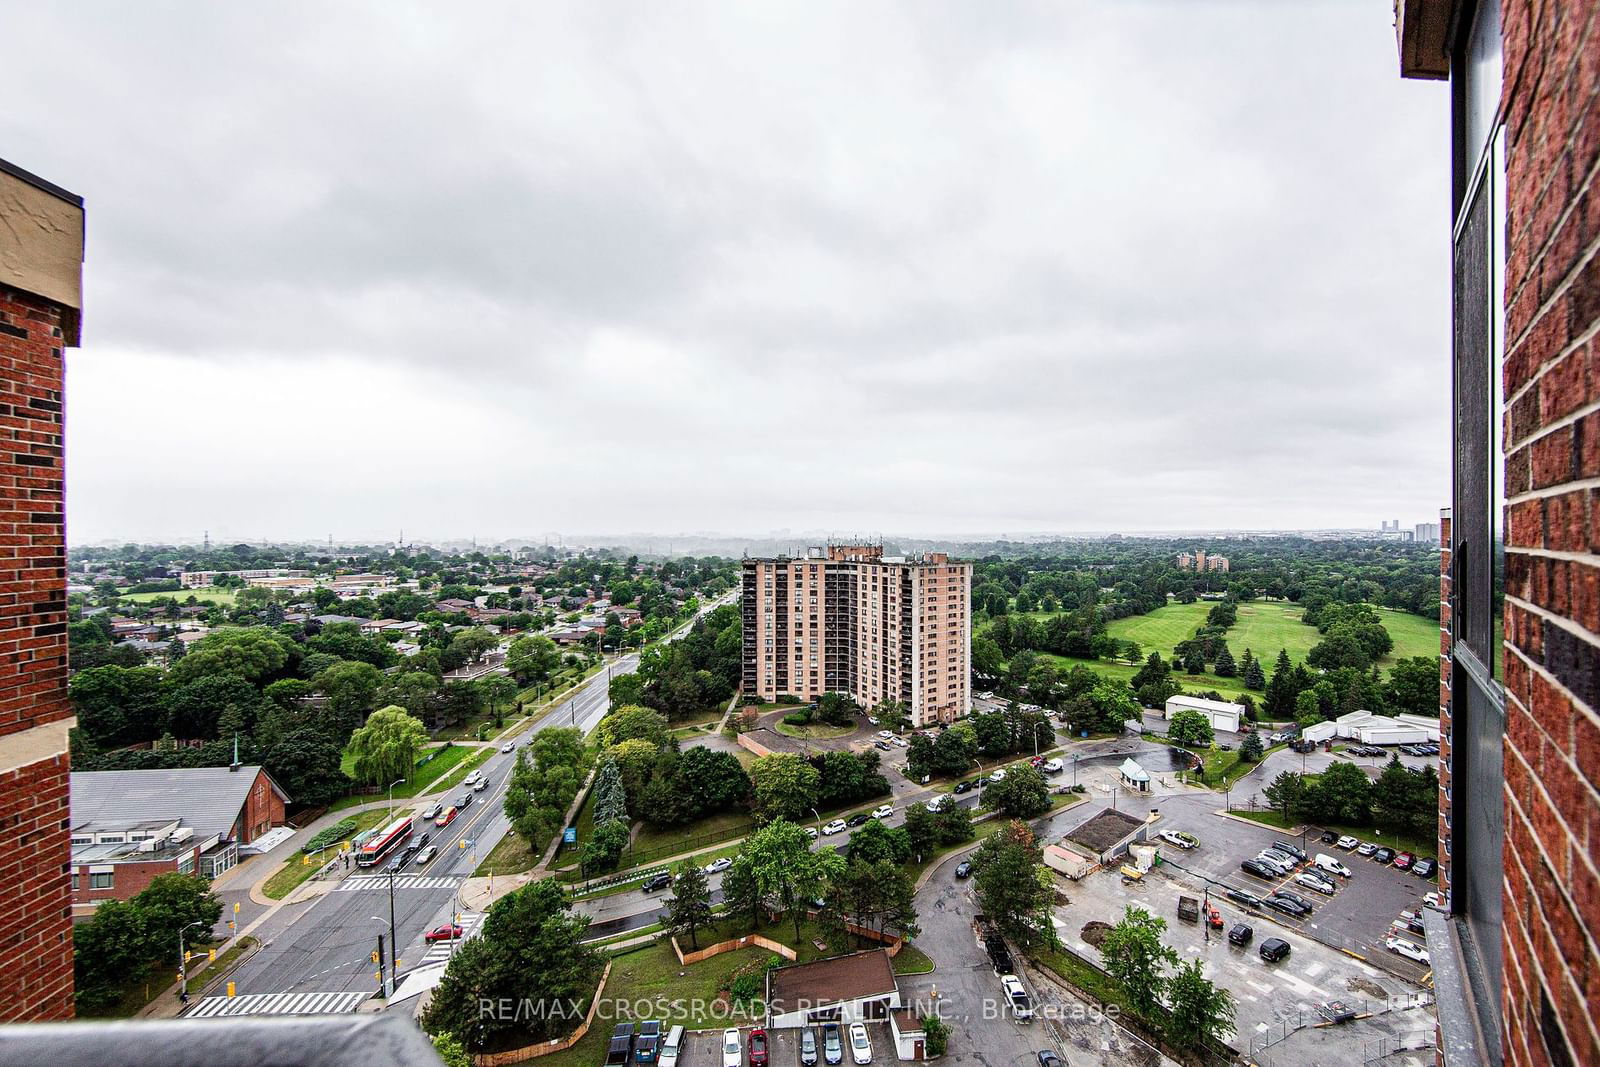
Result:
206,541
235,765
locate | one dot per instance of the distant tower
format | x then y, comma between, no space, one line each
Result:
206,541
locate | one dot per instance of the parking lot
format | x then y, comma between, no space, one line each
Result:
1356,918
703,1048
1273,999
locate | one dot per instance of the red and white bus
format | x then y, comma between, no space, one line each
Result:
376,848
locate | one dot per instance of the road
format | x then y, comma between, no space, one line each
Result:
323,945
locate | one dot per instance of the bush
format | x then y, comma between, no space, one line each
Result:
787,698
325,837
938,1035
798,718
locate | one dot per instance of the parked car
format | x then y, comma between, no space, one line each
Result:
1296,897
1048,1058
1017,994
1274,949
672,1048
1326,864
1383,855
1346,842
732,1048
1287,905
657,881
1366,848
837,826
858,819
1260,870
962,787
883,811
964,869
1290,849
808,1047
1409,949
1424,868
832,1046
811,832
900,742
1241,934
1328,837
1179,838
1434,900
860,1044
424,856
1280,864
448,932
1403,861
881,744
1316,882
446,817
1052,766
717,866
1243,897
758,1047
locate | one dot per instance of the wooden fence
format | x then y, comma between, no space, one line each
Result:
545,1048
734,945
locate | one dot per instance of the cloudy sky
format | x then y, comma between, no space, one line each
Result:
924,268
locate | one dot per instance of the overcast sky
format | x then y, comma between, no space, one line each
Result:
917,269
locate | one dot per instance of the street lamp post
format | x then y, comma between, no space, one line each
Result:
183,964
394,952
392,784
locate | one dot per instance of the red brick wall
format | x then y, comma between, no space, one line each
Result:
1552,434
33,558
128,878
35,926
36,922
263,809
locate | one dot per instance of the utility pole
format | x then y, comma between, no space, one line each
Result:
394,946
377,957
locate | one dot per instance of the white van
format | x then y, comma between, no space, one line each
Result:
671,1047
1325,862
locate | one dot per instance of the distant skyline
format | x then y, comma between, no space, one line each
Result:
928,267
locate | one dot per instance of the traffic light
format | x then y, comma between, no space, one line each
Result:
211,955
374,955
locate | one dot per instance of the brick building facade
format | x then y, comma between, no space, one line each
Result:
1517,957
41,257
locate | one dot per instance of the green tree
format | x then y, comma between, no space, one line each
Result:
1021,794
1284,794
1008,886
603,851
689,911
498,692
1189,727
1414,686
633,721
1281,691
877,841
892,715
1250,749
532,658
741,892
1341,794
474,643
610,801
172,901
783,786
1153,682
1307,710
1197,1009
1394,796
308,766
108,949
451,1052
386,747
530,950
836,709
1195,661
1225,666
787,871
352,691
1134,955
255,655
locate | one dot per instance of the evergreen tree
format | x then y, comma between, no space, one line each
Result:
610,798
1195,661
1254,677
1250,748
1225,668
690,907
1281,691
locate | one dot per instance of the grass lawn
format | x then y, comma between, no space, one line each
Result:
1405,843
220,597
1222,769
296,869
657,843
813,730
511,856
1263,627
443,772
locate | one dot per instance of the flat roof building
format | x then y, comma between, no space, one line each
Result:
849,619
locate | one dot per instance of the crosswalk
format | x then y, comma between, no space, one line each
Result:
439,951
278,1004
357,882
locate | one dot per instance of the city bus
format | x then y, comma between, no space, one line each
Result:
384,842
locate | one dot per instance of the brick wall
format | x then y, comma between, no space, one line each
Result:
263,809
35,926
33,559
36,923
1552,623
1445,725
128,879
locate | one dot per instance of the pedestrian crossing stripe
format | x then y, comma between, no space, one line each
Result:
278,1004
440,950
359,882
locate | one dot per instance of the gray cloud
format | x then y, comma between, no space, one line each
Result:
511,269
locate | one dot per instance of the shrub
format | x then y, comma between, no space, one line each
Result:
325,837
787,698
798,718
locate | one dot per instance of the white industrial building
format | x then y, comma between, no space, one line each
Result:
1370,729
1223,715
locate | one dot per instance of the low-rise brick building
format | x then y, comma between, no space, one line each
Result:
130,826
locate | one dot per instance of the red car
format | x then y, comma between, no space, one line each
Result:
449,932
758,1048
447,816
1403,861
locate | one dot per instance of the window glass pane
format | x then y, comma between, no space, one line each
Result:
1497,323
1483,79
